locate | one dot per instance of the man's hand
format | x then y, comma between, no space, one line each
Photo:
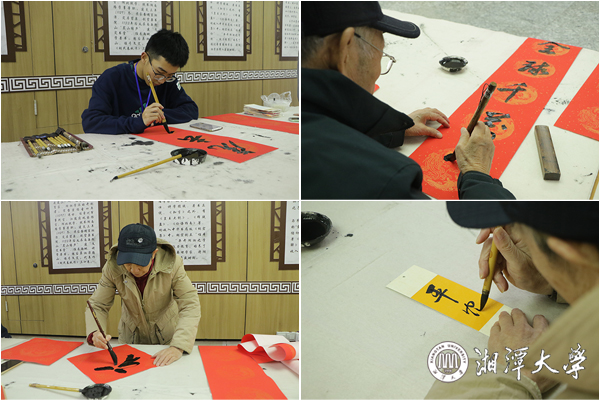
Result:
420,117
514,262
475,152
153,113
99,340
513,331
167,356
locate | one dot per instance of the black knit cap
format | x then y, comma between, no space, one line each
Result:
569,220
137,242
322,18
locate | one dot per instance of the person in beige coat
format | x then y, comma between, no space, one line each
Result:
159,304
548,248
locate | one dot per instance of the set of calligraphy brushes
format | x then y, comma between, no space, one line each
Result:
58,142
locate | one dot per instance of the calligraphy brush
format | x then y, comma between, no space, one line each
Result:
487,284
480,108
164,120
188,154
110,349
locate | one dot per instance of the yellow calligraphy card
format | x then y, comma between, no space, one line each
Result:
448,297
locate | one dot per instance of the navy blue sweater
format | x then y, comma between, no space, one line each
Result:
115,104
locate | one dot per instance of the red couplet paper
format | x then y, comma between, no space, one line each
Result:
581,115
40,351
219,146
526,82
258,122
128,363
234,375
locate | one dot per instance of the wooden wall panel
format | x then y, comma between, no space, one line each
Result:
11,318
271,313
18,119
72,31
214,98
41,39
47,113
260,268
71,104
9,273
222,316
53,315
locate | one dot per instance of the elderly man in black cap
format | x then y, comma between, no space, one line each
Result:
159,304
348,134
547,248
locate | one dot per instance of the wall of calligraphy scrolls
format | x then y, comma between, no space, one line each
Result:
285,234
74,235
526,82
195,229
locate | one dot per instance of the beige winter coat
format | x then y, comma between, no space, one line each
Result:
576,326
169,312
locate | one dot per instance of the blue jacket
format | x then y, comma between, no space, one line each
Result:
115,104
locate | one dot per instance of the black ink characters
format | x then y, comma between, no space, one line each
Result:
129,361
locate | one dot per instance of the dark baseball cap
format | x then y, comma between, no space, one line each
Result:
322,18
569,220
136,244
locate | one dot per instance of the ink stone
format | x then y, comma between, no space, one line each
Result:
453,63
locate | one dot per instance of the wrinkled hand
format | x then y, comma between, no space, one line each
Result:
153,113
420,117
99,341
167,356
475,152
514,262
513,331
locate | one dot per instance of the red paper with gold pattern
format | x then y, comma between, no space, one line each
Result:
40,350
258,122
526,82
232,374
581,115
237,150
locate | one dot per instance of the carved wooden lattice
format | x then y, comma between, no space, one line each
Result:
278,226
279,33
201,17
16,34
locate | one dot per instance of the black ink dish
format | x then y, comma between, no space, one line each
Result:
453,63
315,227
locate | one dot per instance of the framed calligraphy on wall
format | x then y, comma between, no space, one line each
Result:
287,25
285,234
122,28
195,229
74,235
224,30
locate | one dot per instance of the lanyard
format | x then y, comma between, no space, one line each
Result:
137,82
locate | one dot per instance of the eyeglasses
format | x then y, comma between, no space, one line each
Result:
386,65
161,77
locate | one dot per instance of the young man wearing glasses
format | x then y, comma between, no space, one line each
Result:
122,100
347,133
